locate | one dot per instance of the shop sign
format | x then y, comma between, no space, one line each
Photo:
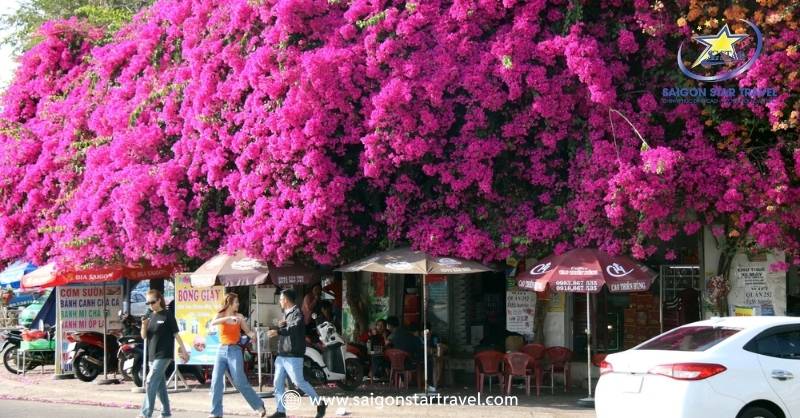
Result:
81,309
520,308
755,290
195,308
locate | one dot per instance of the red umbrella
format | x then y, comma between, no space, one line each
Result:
585,270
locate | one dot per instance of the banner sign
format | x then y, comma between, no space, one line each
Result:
195,308
81,309
520,307
755,290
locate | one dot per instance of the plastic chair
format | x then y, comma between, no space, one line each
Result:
487,364
516,365
598,358
397,361
559,358
536,352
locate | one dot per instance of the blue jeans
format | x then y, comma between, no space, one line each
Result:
293,366
156,384
229,358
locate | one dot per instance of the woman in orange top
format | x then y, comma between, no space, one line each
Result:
229,357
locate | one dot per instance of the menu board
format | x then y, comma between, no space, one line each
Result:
520,308
81,309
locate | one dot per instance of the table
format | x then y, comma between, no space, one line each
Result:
374,358
24,354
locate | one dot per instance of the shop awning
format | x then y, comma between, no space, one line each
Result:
47,276
291,274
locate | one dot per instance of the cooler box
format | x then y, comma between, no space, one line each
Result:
41,344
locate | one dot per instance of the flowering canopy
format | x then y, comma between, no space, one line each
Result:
322,128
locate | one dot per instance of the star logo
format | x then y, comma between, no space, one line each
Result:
717,46
720,49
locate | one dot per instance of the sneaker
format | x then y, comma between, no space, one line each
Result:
278,415
321,409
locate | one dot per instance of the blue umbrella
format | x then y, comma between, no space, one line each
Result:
11,278
12,275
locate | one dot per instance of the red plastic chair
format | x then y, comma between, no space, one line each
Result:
397,360
516,365
598,358
536,352
559,358
487,364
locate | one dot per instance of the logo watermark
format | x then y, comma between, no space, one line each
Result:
292,399
720,50
723,57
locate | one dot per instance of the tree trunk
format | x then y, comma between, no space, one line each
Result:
357,300
540,313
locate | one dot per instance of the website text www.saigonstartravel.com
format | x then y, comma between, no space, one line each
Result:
292,398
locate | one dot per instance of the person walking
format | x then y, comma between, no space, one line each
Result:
291,348
229,358
161,331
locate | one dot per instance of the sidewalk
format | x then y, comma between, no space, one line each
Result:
43,388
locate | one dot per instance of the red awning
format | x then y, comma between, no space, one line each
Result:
49,277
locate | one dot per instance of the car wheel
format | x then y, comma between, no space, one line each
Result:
756,412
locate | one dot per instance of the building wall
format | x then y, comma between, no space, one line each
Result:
745,274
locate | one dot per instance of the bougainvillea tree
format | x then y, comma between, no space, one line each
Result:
322,129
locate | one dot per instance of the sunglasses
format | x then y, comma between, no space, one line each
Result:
150,302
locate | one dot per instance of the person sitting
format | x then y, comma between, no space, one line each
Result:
378,338
401,339
379,334
325,313
311,303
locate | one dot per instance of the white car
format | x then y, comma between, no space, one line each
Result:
734,367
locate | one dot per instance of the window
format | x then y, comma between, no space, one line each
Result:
697,338
781,342
137,298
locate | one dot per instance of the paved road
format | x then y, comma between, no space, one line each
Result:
28,409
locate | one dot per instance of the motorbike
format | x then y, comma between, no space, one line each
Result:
131,355
131,347
87,349
329,361
10,343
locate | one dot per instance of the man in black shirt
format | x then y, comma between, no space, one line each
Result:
160,330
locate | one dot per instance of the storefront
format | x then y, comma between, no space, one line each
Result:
465,312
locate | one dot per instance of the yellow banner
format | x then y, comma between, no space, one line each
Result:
195,308
744,311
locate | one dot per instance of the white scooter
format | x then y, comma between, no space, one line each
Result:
333,363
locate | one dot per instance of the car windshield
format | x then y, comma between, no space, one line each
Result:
696,338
